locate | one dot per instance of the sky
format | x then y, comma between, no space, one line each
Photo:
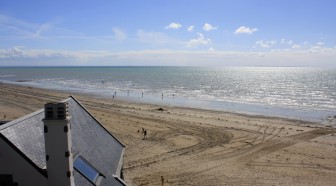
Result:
168,32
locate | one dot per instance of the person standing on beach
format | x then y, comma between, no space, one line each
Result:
162,180
145,134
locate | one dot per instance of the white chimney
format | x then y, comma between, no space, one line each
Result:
58,143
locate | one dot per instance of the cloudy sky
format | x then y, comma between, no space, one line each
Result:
168,32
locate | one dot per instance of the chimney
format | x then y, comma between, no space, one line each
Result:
58,143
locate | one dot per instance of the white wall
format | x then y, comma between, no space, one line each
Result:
57,142
23,172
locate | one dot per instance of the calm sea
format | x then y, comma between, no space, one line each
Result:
300,93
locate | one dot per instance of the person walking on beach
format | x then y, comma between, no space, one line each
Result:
145,134
162,180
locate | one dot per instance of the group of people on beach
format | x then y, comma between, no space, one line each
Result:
144,132
142,95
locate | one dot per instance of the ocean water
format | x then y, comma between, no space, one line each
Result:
299,93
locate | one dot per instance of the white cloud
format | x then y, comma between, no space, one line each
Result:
262,44
265,44
43,28
316,48
156,38
14,26
285,41
318,56
201,40
320,43
295,46
211,49
208,27
191,28
119,34
11,52
19,29
173,26
245,30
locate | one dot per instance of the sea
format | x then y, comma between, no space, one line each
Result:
293,92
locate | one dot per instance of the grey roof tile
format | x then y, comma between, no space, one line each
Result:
26,134
80,180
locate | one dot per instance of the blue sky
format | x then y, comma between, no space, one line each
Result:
168,32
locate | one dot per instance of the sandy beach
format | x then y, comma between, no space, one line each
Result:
200,147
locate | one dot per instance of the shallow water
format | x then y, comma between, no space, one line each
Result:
301,93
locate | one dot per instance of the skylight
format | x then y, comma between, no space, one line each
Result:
86,169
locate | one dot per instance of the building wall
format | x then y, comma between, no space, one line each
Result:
23,172
57,143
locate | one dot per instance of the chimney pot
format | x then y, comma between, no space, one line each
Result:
56,111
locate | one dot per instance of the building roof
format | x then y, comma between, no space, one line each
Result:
90,140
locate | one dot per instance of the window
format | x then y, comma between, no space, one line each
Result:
86,169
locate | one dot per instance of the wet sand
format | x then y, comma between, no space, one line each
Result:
200,147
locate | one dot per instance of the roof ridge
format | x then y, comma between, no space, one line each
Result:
19,120
96,120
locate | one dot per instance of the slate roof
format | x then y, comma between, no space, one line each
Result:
89,139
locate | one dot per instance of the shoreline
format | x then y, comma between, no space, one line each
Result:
323,117
133,101
190,146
